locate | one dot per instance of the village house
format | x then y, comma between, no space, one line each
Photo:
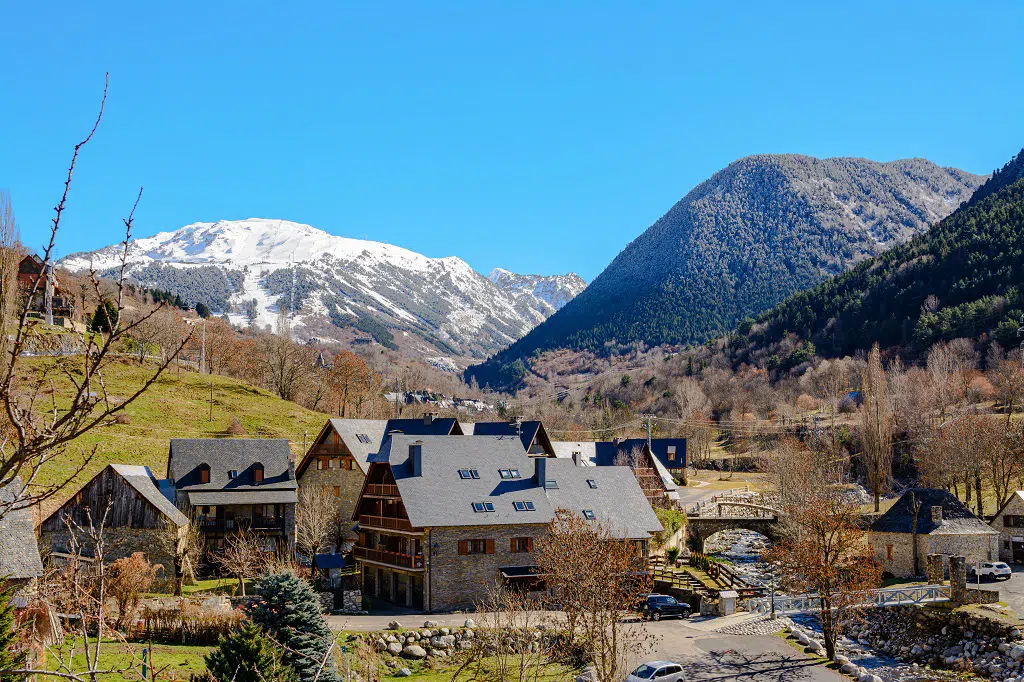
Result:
19,553
137,512
646,459
442,519
48,296
1009,523
944,525
233,483
531,432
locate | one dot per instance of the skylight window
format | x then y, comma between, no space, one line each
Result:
469,473
362,438
592,483
525,505
588,514
509,473
232,474
480,507
551,484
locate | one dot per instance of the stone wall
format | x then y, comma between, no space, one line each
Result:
349,483
975,547
459,582
120,542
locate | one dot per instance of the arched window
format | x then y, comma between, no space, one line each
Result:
204,473
257,472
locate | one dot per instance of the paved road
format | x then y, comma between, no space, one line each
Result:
707,655
1010,591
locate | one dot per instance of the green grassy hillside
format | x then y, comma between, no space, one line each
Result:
176,406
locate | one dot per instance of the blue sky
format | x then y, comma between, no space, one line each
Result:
536,136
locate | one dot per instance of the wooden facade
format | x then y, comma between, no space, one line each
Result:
128,508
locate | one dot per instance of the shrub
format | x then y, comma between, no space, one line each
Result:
235,427
672,553
289,611
12,656
130,577
188,623
249,655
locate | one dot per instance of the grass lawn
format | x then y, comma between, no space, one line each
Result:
176,406
171,661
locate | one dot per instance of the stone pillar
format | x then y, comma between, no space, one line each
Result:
958,579
935,572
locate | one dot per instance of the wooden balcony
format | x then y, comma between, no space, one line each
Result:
413,561
384,523
382,490
257,523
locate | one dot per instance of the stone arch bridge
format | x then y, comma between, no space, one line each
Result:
700,528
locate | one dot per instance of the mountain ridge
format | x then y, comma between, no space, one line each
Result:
762,228
437,305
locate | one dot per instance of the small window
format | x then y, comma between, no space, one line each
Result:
888,552
232,475
509,473
551,484
525,505
520,545
483,507
592,483
257,473
469,473
363,438
204,474
515,473
477,546
588,514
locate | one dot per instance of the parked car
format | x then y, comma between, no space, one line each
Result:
664,671
658,606
992,569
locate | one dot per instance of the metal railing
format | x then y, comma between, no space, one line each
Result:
891,596
385,522
390,558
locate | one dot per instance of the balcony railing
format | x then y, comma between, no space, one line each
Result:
220,525
382,489
390,558
385,522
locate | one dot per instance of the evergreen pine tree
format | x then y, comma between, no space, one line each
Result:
248,655
289,611
11,658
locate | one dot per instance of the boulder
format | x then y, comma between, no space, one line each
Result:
445,631
430,624
1017,652
847,668
469,623
403,672
467,634
414,651
841,660
803,639
394,625
380,644
394,648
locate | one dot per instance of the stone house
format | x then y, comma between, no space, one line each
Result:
944,525
1009,523
19,552
442,519
233,483
137,512
637,453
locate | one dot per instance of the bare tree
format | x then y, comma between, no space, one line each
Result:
36,430
316,519
242,556
185,544
876,426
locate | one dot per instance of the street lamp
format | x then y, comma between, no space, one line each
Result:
772,585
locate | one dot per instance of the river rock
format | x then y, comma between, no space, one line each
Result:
414,651
403,672
394,648
394,625
430,623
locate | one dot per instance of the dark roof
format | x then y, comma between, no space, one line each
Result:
19,553
527,431
231,454
439,426
660,447
956,517
326,561
145,483
362,437
440,497
608,451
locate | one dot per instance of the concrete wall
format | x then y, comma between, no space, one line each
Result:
974,546
456,582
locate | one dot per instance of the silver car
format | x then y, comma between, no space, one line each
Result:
664,671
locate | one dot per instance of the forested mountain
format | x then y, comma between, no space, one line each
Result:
963,278
254,269
754,233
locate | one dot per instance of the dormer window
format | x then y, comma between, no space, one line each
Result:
257,473
204,473
232,474
588,514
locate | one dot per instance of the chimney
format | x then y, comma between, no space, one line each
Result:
577,458
937,515
428,418
540,471
416,458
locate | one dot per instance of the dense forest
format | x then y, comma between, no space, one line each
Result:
961,279
207,284
756,232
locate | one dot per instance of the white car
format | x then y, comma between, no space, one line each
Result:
992,569
664,671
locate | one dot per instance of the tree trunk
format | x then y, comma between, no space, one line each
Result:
977,489
241,585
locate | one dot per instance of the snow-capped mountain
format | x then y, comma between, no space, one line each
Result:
254,268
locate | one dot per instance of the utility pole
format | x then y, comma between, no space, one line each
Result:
396,397
649,423
211,396
202,351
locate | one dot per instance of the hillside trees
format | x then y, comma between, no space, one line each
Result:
876,426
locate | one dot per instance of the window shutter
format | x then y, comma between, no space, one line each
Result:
488,546
463,547
529,544
512,545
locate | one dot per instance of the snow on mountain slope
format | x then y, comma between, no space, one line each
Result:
377,288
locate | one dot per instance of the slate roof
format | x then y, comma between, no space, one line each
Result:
439,497
957,519
142,479
605,454
439,426
238,454
528,430
362,437
19,552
